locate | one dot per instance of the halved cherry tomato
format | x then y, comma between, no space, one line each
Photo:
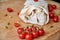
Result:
16,24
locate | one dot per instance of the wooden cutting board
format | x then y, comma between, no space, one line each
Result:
9,32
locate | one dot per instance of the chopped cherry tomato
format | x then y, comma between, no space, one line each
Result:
51,15
20,30
9,9
29,37
54,6
16,24
35,34
35,0
55,19
22,35
41,32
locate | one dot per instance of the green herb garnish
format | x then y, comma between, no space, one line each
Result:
51,26
8,23
6,27
6,15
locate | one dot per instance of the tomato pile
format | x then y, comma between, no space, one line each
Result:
52,16
29,33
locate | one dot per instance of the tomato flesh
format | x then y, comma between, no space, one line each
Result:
16,24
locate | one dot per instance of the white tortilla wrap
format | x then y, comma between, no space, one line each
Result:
35,12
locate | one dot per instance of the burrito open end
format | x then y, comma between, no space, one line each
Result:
35,12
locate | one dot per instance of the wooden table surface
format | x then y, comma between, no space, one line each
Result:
11,32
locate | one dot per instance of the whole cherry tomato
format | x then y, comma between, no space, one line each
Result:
29,37
55,19
50,8
51,15
33,28
35,34
27,30
54,7
22,35
41,32
9,9
20,30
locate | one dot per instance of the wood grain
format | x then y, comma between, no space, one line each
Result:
11,32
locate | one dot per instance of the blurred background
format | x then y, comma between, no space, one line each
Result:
55,0
47,0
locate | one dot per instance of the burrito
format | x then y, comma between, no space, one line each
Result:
35,12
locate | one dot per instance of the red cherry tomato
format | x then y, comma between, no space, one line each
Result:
41,32
29,37
27,30
33,28
54,6
55,19
35,34
35,0
20,30
22,36
16,24
9,9
51,15
50,8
